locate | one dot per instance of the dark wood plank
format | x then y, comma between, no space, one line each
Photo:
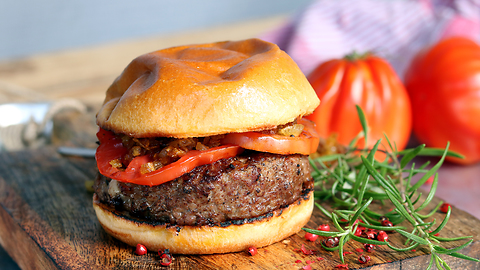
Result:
46,207
19,245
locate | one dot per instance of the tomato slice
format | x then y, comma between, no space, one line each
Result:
306,143
111,148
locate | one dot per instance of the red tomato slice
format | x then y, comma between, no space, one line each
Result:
305,144
111,148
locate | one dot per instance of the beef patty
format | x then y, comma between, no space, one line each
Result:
238,188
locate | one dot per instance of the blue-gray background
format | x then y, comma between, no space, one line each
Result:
32,26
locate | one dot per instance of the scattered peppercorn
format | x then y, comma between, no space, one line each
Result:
429,180
331,242
140,250
382,236
371,233
444,207
369,247
358,232
387,223
306,251
252,250
383,218
311,237
165,257
363,259
342,266
324,227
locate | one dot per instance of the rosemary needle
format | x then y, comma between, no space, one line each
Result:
353,179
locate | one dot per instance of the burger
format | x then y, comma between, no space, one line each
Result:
203,149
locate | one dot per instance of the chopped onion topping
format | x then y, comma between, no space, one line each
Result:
291,131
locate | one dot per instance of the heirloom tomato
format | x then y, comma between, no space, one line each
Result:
444,86
369,82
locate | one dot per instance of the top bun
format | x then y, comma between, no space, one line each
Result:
207,89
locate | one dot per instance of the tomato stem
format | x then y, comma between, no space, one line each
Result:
355,56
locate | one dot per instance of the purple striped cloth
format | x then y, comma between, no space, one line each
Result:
393,29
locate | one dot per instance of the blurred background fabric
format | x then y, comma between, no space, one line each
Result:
393,29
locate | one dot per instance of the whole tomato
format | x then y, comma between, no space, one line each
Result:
444,86
367,81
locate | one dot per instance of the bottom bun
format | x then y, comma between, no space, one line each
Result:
207,239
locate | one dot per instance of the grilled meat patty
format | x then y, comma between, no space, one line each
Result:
229,190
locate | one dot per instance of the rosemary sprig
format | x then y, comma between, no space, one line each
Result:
354,179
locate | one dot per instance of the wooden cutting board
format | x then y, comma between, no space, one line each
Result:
47,222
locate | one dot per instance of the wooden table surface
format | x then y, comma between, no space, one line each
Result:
86,73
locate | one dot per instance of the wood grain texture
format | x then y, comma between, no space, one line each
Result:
47,222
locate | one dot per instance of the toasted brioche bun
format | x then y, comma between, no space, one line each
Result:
208,89
207,239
